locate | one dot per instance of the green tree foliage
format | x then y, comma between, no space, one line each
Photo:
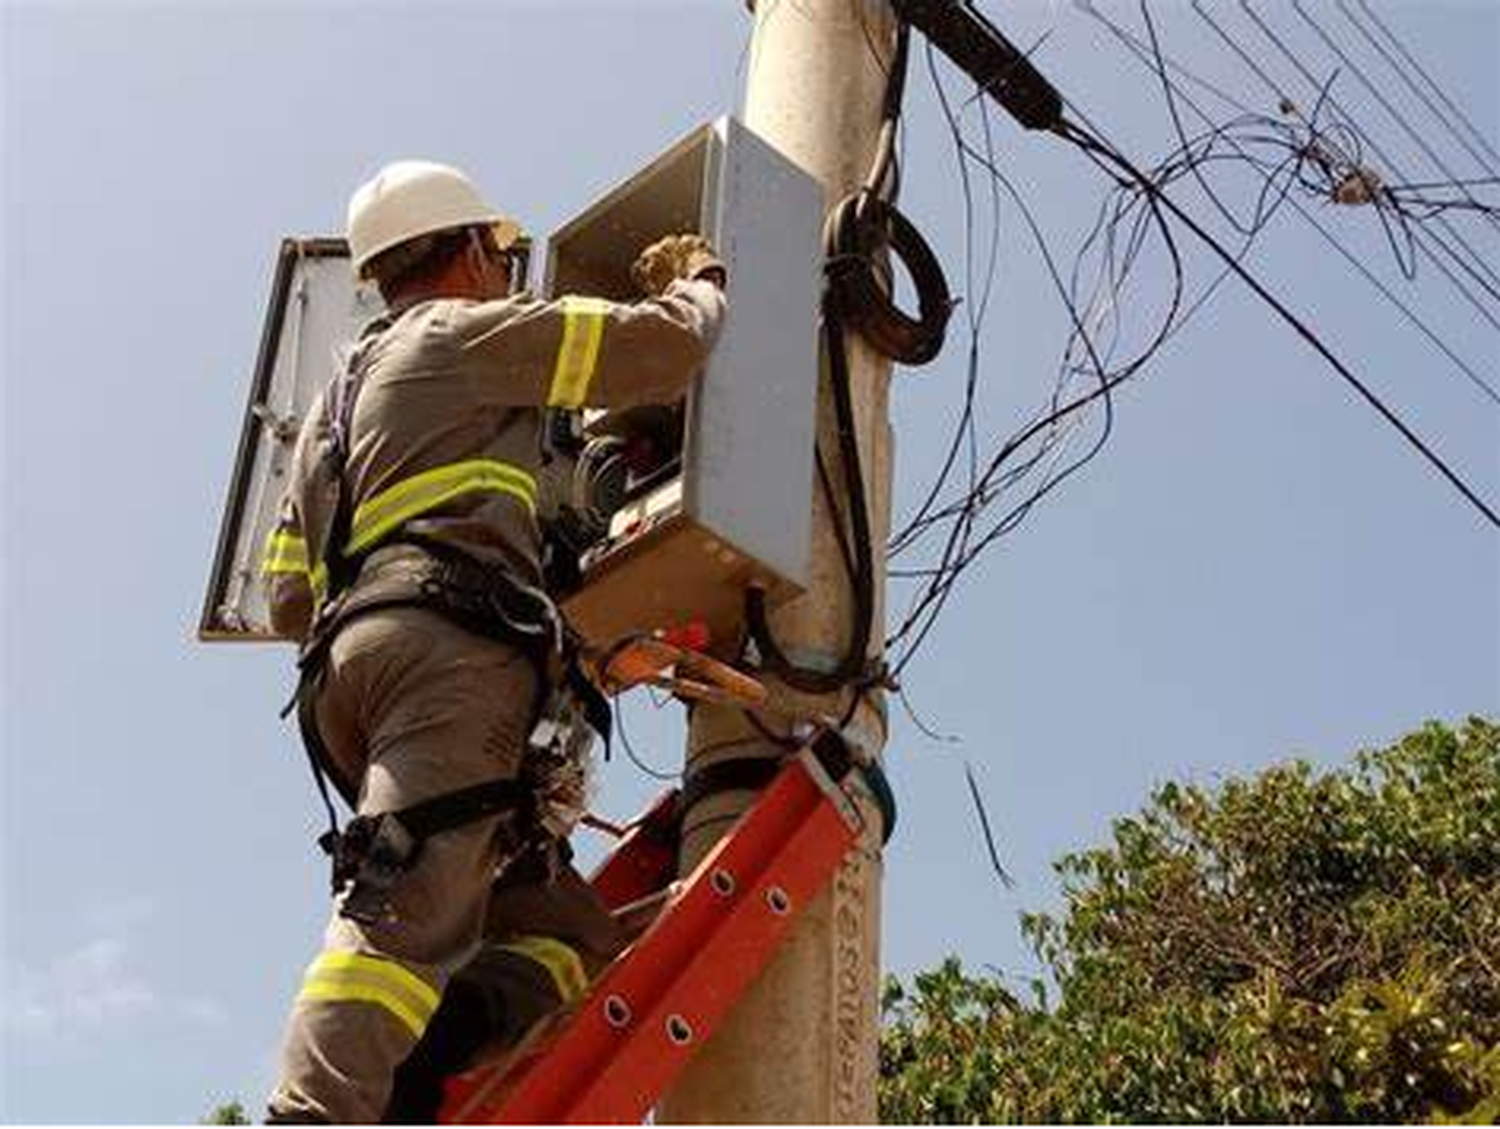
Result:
231,1113
1296,947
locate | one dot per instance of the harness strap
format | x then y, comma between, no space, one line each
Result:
595,705
312,664
373,853
489,594
742,774
529,613
342,397
318,758
498,618
752,774
465,805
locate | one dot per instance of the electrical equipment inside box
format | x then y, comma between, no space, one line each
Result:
657,516
606,476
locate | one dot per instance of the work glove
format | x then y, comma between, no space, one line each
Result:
674,257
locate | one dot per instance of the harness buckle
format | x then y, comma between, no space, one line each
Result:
559,763
369,858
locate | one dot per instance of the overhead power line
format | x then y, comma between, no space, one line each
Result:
979,496
1278,92
1432,84
1386,104
1110,156
1153,59
1474,264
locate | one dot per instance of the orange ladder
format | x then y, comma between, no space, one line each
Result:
610,1058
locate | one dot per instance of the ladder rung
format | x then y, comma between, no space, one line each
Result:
659,1002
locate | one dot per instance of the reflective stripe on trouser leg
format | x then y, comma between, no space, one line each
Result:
495,1001
560,961
357,1015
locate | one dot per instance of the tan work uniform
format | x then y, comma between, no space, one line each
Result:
445,445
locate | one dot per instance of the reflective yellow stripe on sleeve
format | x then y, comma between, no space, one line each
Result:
286,555
578,355
561,961
414,496
285,552
318,581
337,977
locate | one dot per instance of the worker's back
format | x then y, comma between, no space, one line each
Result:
439,447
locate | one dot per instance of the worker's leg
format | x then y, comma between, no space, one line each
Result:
492,1003
414,707
548,935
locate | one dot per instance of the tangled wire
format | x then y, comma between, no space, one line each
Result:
1306,159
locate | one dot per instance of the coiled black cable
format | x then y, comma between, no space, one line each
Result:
860,228
858,295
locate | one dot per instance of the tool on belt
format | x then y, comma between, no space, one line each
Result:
373,851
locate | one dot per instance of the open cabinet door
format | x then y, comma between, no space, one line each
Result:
315,312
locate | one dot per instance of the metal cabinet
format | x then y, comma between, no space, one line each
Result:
739,512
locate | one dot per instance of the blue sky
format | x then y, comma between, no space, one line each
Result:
1255,568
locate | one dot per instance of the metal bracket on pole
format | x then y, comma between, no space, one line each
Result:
976,46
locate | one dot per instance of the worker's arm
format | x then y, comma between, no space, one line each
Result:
288,573
576,352
286,577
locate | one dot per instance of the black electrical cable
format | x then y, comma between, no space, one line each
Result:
1158,61
984,825
860,231
634,757
965,540
884,179
851,667
1473,264
1417,136
1317,155
975,312
1106,155
1276,90
825,482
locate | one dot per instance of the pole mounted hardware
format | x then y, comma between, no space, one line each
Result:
977,47
669,661
721,502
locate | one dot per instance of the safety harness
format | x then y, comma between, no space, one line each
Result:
372,852
754,773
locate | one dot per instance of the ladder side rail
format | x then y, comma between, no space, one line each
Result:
706,989
702,953
644,861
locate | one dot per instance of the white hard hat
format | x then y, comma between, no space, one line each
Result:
407,199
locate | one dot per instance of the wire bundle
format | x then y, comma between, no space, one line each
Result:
1299,159
857,297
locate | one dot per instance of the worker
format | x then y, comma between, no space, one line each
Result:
406,562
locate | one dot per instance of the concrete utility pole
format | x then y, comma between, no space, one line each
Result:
802,1045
